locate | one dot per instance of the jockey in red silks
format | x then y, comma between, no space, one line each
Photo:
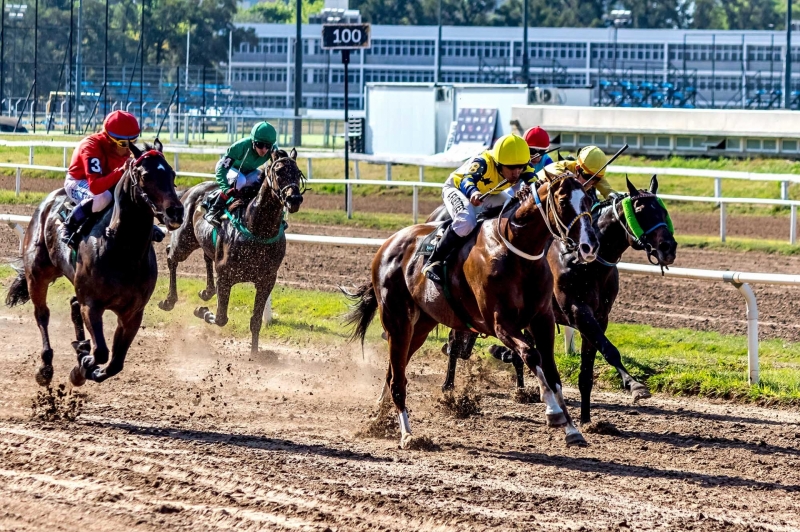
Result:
98,163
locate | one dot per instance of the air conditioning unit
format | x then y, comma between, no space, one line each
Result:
444,94
545,96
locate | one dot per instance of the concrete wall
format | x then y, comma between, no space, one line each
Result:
401,119
706,122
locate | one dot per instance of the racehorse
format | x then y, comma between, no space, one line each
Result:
584,293
497,285
248,248
113,269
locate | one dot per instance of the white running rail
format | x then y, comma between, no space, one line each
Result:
416,185
741,280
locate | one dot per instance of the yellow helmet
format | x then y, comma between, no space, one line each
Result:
511,150
592,159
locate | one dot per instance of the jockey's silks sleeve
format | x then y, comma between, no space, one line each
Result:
240,157
97,162
560,167
482,175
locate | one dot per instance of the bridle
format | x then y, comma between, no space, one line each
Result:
136,187
639,240
562,230
272,174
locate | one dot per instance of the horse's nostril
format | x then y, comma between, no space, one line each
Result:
175,212
586,249
664,247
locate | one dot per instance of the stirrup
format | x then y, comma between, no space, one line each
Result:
433,271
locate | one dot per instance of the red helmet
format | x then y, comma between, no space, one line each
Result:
121,125
537,138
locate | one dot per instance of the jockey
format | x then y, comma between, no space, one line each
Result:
539,142
97,165
509,160
239,167
590,160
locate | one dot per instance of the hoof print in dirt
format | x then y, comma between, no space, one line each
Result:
603,428
418,443
461,405
527,396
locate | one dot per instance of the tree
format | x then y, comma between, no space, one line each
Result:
278,11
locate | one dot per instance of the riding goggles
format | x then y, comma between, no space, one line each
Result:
124,143
262,145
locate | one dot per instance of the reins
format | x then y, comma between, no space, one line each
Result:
137,188
563,229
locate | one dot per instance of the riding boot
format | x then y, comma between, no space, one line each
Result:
75,224
434,266
217,207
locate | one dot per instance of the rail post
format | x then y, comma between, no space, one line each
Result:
717,188
308,168
18,182
388,171
175,165
64,158
267,316
357,169
784,190
723,221
752,328
348,190
421,173
30,154
415,200
793,226
569,341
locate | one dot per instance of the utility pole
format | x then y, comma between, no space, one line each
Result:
141,68
787,82
69,77
525,62
439,47
188,44
298,74
2,52
78,71
105,67
35,64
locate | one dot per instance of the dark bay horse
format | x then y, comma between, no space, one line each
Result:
585,293
249,249
498,279
114,268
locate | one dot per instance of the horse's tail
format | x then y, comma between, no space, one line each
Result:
362,311
18,291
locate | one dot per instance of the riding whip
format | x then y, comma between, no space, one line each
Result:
505,181
611,160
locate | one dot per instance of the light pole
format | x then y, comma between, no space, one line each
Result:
298,75
439,47
15,12
525,62
787,81
617,18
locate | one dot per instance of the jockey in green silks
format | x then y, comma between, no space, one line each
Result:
239,168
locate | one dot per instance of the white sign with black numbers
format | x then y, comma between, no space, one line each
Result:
345,36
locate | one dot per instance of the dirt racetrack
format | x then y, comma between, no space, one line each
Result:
197,435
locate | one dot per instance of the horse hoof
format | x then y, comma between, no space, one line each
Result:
44,375
205,295
166,305
448,387
405,440
76,376
200,312
87,362
639,392
556,420
576,438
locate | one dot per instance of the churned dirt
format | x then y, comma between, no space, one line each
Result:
197,434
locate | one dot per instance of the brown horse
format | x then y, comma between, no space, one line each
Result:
114,268
246,249
585,293
499,281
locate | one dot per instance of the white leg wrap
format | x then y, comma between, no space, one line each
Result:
384,391
548,397
405,426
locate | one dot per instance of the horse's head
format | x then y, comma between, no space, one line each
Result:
285,179
153,183
569,215
649,224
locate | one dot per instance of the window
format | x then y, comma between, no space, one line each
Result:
789,145
585,140
568,139
753,145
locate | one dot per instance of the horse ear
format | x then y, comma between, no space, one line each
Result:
158,146
653,184
135,151
274,155
631,189
293,154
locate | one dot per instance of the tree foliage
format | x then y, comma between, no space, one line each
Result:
278,11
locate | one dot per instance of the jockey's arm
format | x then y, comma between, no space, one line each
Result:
603,187
232,155
93,170
476,171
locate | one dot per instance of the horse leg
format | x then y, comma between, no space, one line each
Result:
223,295
459,345
262,294
504,354
543,328
386,383
127,327
77,319
38,292
594,331
586,378
88,362
182,244
515,340
210,290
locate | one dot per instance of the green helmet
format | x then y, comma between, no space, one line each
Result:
263,132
